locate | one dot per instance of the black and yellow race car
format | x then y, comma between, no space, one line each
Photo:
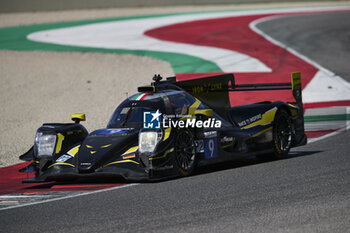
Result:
168,129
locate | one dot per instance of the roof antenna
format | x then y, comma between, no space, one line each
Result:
157,78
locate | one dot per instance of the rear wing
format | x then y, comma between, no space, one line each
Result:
294,85
214,90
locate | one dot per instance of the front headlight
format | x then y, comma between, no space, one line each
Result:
148,141
45,144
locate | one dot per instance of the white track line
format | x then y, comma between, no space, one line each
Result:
312,140
69,196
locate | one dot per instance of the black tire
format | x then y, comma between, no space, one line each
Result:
185,156
282,134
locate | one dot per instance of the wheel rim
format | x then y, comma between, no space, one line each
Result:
283,133
185,150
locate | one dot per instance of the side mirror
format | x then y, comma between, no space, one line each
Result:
78,117
205,112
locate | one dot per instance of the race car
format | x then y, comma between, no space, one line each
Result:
168,129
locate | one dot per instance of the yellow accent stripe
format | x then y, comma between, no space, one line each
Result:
88,146
205,112
164,155
262,131
292,105
266,118
166,133
193,107
105,146
73,151
228,145
122,161
60,139
294,111
93,152
132,149
58,163
35,161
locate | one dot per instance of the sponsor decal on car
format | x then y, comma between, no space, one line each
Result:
249,120
110,132
63,158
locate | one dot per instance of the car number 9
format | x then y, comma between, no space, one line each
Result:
210,146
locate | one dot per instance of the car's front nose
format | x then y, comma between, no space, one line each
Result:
103,145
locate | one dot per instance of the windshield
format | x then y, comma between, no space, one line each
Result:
128,117
130,113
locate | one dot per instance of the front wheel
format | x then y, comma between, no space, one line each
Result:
185,156
282,134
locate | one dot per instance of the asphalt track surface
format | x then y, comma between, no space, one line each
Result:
307,192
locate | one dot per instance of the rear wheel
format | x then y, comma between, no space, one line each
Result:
282,134
185,156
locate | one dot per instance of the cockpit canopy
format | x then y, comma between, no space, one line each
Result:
129,114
